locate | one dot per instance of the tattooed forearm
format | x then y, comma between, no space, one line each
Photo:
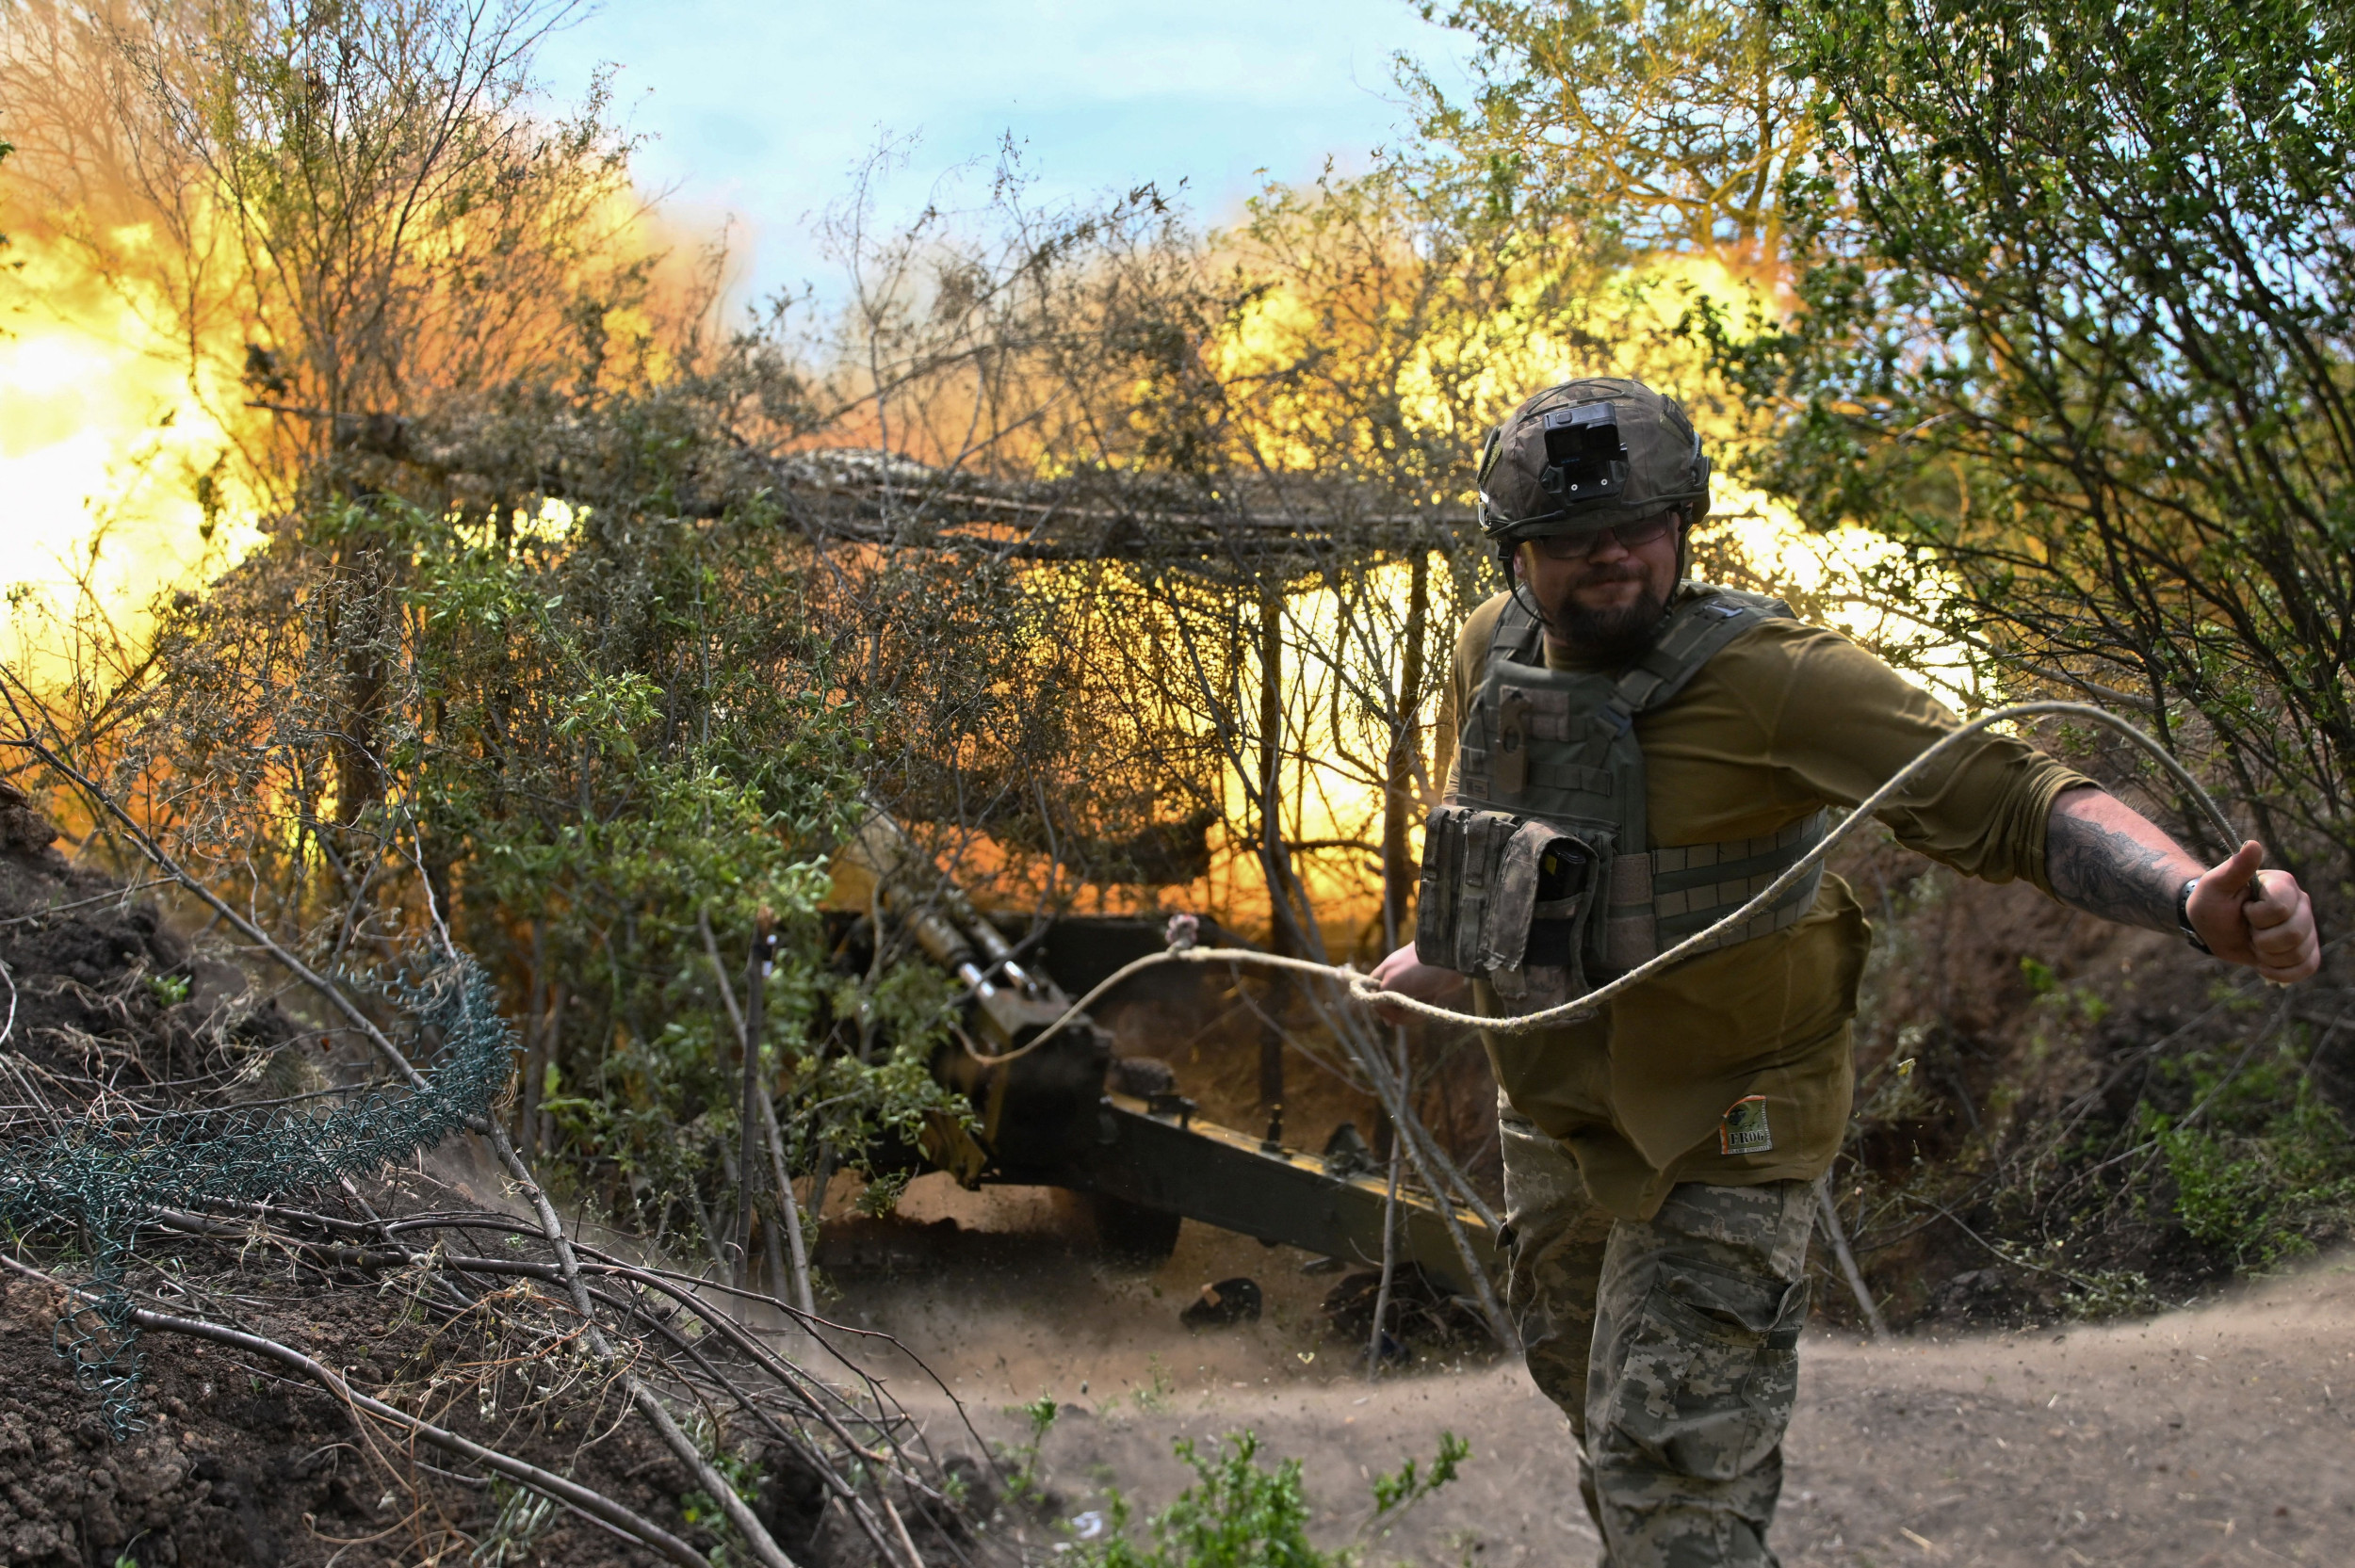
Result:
2095,866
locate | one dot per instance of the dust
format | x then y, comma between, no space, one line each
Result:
2204,1437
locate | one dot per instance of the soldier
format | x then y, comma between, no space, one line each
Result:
1633,756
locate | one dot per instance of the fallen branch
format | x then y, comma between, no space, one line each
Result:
1830,1214
676,1290
581,1499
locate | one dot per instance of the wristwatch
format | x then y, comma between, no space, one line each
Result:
2182,915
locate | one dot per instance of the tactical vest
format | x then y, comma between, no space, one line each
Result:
1539,875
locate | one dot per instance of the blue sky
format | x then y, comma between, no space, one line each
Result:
763,111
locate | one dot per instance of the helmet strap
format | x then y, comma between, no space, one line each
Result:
1513,585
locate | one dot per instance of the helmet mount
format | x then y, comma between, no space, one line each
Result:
1586,455
1590,454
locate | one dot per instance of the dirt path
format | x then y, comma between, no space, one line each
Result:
2219,1435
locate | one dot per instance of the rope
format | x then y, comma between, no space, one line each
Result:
1579,1009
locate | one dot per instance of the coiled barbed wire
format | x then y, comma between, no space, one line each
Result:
104,1181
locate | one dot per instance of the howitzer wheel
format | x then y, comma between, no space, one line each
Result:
1132,1234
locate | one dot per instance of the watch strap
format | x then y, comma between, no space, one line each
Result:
2182,915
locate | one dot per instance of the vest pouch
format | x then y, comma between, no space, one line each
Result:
1509,898
1562,748
1463,849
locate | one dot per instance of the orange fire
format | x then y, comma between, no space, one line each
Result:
111,449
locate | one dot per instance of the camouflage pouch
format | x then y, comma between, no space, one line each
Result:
1508,898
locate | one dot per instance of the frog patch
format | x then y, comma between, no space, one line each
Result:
1744,1129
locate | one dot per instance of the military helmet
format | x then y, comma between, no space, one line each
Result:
1589,454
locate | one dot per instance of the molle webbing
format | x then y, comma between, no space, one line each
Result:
1661,896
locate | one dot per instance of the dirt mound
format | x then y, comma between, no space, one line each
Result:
240,1465
2059,1119
112,1018
101,996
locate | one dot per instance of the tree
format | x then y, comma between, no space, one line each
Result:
2075,323
1630,126
361,204
520,656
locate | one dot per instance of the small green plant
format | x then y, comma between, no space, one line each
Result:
523,1517
1153,1397
2109,1293
2270,1163
1022,1482
1391,1493
169,990
1238,1514
1234,1515
882,1195
699,1508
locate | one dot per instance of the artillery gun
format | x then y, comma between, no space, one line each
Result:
1070,1114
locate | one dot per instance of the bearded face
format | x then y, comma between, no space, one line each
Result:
1604,595
1610,629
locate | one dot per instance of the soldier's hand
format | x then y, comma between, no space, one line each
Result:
2260,918
1405,973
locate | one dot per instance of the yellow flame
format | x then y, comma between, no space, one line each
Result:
107,438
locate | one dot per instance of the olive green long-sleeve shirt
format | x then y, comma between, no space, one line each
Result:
1674,1081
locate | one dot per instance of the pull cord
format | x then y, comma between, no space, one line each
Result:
1579,1009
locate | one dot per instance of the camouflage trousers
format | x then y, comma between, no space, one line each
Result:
1670,1343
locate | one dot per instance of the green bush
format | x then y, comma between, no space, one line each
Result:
1238,1515
2266,1165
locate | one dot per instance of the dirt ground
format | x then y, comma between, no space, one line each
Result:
2219,1435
